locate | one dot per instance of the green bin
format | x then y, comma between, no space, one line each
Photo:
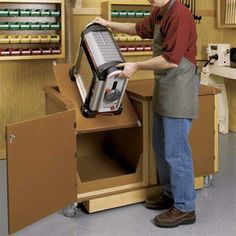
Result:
115,13
24,12
45,26
4,12
139,13
45,12
35,26
14,25
14,12
123,13
55,26
35,12
131,14
25,26
146,13
4,26
55,13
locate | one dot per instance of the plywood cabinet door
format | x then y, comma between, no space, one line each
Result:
41,168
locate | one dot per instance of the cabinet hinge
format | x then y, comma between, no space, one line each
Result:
75,125
12,138
75,155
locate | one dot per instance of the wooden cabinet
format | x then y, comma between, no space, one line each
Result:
32,29
204,132
111,150
64,157
226,14
133,12
103,162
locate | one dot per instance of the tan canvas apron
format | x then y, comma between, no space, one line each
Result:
175,90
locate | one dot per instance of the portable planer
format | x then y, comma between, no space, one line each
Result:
105,90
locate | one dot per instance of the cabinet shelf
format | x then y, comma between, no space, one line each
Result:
25,23
142,53
12,58
29,12
28,39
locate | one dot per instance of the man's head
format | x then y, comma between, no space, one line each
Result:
158,3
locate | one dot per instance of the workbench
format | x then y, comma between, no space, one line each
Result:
102,162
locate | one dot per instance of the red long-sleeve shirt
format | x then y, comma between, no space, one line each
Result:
178,29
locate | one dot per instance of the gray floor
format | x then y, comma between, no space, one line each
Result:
216,210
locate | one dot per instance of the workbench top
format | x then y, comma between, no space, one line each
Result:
143,89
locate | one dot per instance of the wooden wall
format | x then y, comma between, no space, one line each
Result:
21,95
21,82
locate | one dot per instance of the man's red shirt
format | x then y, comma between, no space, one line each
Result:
178,29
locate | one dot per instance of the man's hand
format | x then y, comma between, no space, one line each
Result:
129,69
101,21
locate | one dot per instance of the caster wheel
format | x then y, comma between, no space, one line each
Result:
70,210
208,180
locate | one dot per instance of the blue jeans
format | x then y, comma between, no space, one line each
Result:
174,159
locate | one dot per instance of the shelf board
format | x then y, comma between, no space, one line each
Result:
227,26
142,53
31,1
31,57
129,3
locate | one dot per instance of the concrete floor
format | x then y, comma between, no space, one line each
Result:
216,210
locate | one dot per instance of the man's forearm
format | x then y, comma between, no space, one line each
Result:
128,28
155,63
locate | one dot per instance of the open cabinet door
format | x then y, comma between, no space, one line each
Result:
41,168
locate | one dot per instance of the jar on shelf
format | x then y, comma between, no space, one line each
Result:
24,38
46,51
34,12
25,26
56,50
55,13
14,12
15,52
35,25
45,12
45,38
4,25
14,39
4,39
26,51
45,26
35,39
14,25
55,26
24,12
55,38
4,12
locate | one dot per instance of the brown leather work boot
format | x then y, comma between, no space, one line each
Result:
174,217
161,203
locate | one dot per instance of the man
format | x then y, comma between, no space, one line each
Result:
175,103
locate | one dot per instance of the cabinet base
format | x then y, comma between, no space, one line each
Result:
128,198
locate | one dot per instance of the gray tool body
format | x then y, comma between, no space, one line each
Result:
106,88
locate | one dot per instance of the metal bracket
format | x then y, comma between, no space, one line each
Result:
12,137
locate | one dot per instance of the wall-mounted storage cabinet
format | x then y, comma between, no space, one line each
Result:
121,11
32,29
226,14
